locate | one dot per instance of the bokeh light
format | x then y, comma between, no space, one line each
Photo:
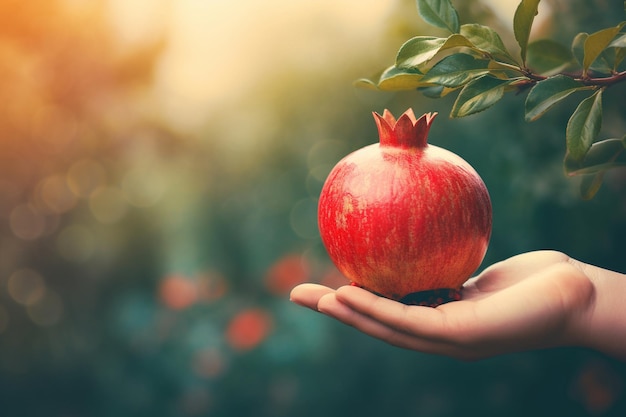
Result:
56,194
178,292
287,272
142,188
108,204
47,310
209,363
248,329
26,286
85,176
26,222
76,243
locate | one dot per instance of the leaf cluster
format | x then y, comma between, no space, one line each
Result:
474,62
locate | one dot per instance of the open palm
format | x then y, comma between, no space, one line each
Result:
534,300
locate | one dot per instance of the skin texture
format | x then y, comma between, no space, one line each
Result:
534,300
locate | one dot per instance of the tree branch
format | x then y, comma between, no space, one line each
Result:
604,81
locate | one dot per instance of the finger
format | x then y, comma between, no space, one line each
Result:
331,306
308,295
453,329
422,322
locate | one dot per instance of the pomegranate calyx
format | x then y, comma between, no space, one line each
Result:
406,131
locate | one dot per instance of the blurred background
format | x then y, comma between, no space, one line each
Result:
160,163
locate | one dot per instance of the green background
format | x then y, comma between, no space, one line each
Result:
131,249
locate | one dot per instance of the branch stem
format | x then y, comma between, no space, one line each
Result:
605,81
599,81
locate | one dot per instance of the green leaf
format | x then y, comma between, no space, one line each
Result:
486,39
417,52
501,68
590,185
578,47
523,22
368,83
456,70
456,41
399,79
478,95
620,55
548,57
596,43
393,79
547,93
583,126
619,42
602,63
603,155
365,83
439,13
436,91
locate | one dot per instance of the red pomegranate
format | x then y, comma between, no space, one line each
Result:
404,219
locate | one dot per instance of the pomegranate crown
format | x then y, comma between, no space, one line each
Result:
406,132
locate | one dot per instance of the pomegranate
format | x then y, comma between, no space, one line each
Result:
404,219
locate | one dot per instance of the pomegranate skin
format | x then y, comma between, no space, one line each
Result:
403,217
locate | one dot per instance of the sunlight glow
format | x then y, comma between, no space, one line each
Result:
505,10
138,22
217,51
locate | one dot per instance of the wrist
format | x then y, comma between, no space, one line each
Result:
600,323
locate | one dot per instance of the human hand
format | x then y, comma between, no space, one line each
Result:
535,300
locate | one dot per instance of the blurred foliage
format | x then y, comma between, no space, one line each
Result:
473,61
147,252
